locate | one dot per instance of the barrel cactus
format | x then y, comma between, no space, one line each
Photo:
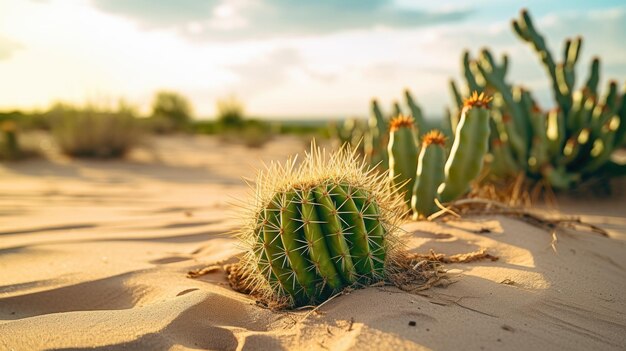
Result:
318,227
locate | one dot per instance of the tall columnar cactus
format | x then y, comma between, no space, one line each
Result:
376,137
430,174
373,138
471,143
416,112
318,227
564,145
403,150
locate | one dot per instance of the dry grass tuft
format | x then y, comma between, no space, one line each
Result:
92,132
476,206
469,257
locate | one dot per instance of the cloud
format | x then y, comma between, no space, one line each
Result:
260,19
8,47
266,73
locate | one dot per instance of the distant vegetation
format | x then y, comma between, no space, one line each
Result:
232,126
9,143
230,113
100,131
171,112
94,132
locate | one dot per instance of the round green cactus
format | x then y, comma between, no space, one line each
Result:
318,227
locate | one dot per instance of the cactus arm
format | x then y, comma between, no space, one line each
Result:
517,143
375,231
603,112
579,144
587,111
416,112
573,121
471,142
377,116
565,80
504,162
527,32
335,235
454,114
497,167
570,151
603,147
539,149
620,134
449,122
495,77
314,236
556,133
458,99
354,227
591,86
469,74
429,176
377,137
377,121
397,110
610,101
566,75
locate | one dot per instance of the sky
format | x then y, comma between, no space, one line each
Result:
282,58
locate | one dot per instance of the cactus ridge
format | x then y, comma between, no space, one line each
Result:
318,227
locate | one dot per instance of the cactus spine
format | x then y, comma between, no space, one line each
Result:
319,227
430,174
470,144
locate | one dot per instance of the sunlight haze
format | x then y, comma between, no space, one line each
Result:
281,58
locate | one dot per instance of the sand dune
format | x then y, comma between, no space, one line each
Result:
95,255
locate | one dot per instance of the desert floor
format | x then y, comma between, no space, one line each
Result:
94,254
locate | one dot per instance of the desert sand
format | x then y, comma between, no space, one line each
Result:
94,255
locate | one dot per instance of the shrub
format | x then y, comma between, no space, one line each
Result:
230,113
91,132
170,112
9,142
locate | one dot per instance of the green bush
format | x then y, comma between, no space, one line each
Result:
91,132
230,113
170,112
9,142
